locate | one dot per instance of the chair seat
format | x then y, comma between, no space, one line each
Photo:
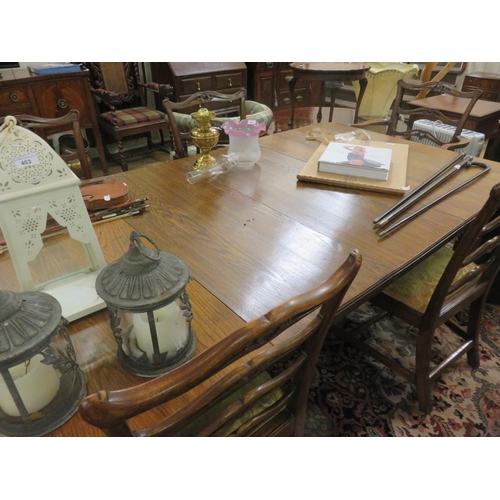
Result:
131,116
416,287
265,402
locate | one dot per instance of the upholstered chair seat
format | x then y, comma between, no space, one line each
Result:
416,287
132,116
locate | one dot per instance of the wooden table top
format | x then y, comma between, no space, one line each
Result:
456,105
329,71
253,239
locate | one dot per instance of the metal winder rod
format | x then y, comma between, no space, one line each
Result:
446,173
420,187
485,170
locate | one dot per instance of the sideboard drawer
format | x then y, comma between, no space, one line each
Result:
15,100
57,98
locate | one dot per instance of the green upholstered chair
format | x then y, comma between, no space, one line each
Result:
449,281
260,389
180,123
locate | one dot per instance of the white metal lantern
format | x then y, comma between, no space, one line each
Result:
36,183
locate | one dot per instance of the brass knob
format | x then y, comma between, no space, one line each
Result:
198,86
299,98
286,100
230,82
14,97
62,103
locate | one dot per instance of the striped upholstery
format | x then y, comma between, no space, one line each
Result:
130,116
255,111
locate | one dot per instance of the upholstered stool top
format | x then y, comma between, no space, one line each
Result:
130,116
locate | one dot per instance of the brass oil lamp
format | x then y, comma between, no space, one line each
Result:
204,137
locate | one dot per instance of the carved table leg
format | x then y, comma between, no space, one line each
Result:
291,85
362,87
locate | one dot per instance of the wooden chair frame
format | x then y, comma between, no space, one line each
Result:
401,112
250,354
73,117
123,92
450,296
200,99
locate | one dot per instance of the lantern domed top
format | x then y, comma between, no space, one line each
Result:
28,320
143,278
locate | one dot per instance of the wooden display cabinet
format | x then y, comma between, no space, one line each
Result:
268,84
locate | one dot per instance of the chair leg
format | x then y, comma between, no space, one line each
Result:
122,160
422,369
475,314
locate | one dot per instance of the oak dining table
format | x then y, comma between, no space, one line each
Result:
254,238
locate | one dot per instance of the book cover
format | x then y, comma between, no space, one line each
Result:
356,160
47,69
395,184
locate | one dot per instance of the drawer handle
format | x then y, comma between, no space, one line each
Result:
62,103
198,86
230,82
269,65
288,79
286,100
14,97
299,98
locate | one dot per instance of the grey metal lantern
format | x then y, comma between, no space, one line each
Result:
149,309
41,383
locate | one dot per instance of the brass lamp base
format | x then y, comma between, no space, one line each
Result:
204,138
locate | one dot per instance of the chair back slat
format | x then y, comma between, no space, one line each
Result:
259,370
53,125
474,251
209,99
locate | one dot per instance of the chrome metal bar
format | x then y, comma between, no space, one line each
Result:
420,187
485,170
446,174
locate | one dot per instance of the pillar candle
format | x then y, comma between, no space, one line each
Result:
36,382
171,330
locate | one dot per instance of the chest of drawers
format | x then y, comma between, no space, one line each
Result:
489,83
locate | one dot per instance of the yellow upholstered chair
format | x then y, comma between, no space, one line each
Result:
261,389
449,281
382,87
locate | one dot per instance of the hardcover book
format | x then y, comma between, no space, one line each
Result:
356,161
395,184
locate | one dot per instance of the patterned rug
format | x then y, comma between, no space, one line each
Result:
353,395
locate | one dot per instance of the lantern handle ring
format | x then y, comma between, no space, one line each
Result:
139,247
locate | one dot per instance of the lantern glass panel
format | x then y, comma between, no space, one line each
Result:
40,390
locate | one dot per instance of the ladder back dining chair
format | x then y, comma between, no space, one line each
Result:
261,388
